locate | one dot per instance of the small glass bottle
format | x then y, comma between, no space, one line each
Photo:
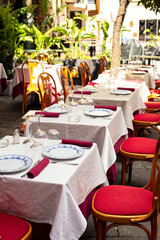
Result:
16,138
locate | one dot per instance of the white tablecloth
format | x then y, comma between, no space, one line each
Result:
103,131
2,72
54,70
129,103
54,195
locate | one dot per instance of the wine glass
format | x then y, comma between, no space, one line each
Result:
53,134
36,150
72,102
39,133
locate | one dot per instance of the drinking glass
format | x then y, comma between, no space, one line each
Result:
39,132
53,134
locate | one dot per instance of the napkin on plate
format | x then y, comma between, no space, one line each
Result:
92,83
77,142
84,92
49,114
124,88
38,168
114,108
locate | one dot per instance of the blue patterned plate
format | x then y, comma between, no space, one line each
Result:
14,163
63,151
56,108
99,112
121,92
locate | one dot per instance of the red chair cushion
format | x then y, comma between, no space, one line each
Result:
154,91
153,105
139,145
12,227
147,117
123,200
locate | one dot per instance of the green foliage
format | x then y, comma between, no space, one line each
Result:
153,38
153,5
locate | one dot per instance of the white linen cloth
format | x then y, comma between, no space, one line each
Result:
54,195
2,72
129,103
152,76
101,130
54,70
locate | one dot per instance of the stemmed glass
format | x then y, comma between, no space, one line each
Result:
53,134
72,103
39,132
82,101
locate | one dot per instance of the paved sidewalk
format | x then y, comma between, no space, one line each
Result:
11,118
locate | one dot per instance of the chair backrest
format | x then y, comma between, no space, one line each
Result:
44,57
34,68
85,73
103,64
48,89
74,72
155,178
66,80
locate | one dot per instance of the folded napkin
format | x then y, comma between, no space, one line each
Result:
92,83
141,70
124,88
77,142
84,92
48,67
38,168
49,114
114,108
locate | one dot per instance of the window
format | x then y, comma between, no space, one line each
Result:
152,24
74,14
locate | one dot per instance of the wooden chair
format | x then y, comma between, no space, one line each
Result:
126,205
145,120
103,64
135,149
14,228
85,73
44,57
66,80
152,107
34,67
47,91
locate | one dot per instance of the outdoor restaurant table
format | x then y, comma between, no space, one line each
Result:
54,196
3,78
129,103
54,70
105,131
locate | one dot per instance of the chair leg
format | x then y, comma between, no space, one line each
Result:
154,225
100,226
123,173
130,172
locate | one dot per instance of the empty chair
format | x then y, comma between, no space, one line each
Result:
14,228
145,120
43,57
135,149
30,84
152,107
48,90
125,205
103,64
66,80
85,73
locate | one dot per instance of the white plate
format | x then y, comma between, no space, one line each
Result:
99,112
147,66
63,151
139,73
92,89
121,92
14,162
56,109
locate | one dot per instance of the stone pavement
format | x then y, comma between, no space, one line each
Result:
11,118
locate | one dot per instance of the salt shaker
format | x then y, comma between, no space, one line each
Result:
16,138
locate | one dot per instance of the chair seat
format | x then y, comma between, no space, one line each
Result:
123,200
147,117
152,105
12,227
33,87
154,91
139,145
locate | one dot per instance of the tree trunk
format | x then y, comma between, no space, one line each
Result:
116,48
